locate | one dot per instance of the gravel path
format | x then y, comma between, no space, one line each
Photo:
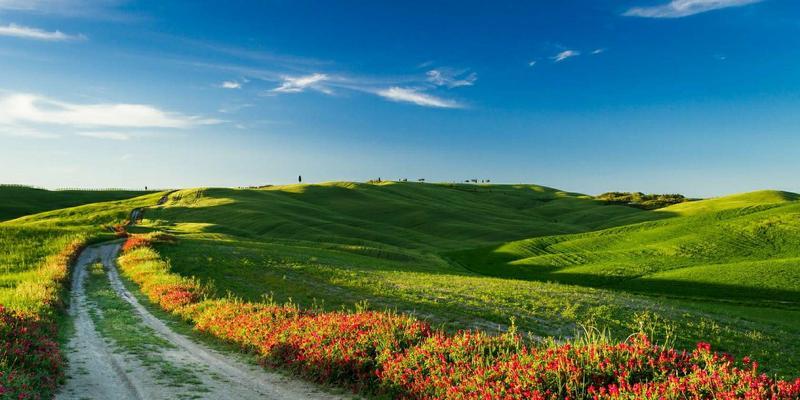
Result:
97,370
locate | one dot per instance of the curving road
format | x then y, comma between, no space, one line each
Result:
99,370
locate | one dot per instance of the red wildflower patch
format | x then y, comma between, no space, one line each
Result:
143,240
135,241
30,362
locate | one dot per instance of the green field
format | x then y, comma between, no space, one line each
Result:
725,270
741,248
720,270
25,242
17,201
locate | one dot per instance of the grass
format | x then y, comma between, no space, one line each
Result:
390,215
35,255
432,250
18,201
26,242
398,356
741,248
473,256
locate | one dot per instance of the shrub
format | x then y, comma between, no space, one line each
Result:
641,200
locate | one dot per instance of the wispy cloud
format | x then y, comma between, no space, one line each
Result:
532,63
598,51
230,85
109,135
685,8
232,108
105,9
25,132
26,32
24,114
416,97
297,84
450,78
565,55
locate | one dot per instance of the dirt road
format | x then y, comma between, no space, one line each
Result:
149,360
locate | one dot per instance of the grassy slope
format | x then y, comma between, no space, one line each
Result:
17,201
336,244
25,242
737,247
405,216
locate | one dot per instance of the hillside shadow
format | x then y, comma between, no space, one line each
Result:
495,264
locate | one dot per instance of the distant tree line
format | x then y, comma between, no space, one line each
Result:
82,189
641,200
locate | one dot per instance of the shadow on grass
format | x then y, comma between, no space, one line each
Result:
487,262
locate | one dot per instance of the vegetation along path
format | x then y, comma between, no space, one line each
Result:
119,350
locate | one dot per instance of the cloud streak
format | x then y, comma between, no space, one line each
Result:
230,85
105,9
25,32
23,114
565,55
413,96
451,79
685,8
108,135
299,84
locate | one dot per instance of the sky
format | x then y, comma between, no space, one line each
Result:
700,97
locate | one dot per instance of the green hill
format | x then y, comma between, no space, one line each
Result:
473,256
742,247
17,201
406,215
27,241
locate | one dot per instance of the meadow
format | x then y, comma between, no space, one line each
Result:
386,354
18,200
425,249
36,251
451,257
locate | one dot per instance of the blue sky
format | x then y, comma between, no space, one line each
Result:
693,96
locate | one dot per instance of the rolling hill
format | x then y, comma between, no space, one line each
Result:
404,215
473,256
18,201
741,248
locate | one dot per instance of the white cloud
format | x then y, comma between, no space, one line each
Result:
565,55
298,84
413,96
532,63
25,32
110,135
25,132
69,8
19,108
599,51
685,8
230,85
450,78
